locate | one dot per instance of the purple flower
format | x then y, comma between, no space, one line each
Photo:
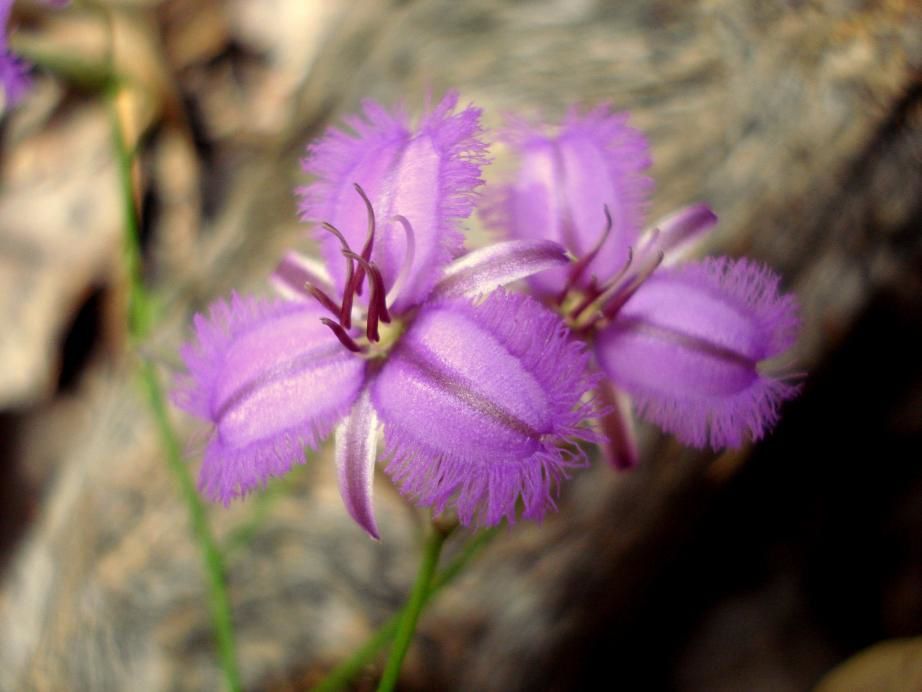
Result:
475,395
563,183
427,175
691,343
13,77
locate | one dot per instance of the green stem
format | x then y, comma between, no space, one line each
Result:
480,541
214,562
138,324
138,303
407,626
342,674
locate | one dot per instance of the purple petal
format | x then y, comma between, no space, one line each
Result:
481,271
688,345
565,182
475,401
427,175
294,271
14,78
272,379
356,449
682,230
6,6
616,427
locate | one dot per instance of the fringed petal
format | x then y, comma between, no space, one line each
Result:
428,175
481,271
272,380
476,401
688,347
356,449
564,183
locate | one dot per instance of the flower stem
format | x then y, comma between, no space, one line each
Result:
139,321
214,562
408,619
342,674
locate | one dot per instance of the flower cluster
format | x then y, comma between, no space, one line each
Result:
690,342
481,394
476,389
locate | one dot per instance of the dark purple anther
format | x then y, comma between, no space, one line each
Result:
579,267
369,239
342,335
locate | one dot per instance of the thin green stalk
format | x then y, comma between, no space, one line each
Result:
214,562
139,324
407,626
138,301
346,671
480,541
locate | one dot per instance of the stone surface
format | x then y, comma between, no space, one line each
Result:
798,122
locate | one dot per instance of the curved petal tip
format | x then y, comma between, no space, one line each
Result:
356,448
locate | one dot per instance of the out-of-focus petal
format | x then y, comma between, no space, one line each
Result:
356,449
294,271
272,379
682,230
616,427
427,175
688,345
14,79
481,271
476,400
564,183
6,6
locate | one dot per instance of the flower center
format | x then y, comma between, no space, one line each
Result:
381,330
585,307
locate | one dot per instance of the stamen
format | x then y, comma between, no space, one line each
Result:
345,310
622,296
342,335
618,292
579,267
408,258
595,298
330,228
322,298
369,238
376,307
623,271
592,293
